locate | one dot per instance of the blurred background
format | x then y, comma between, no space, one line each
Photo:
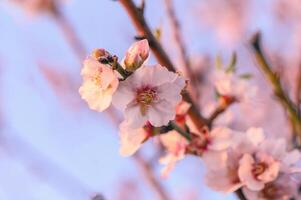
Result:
52,146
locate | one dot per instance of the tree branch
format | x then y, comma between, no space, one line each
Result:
179,43
221,108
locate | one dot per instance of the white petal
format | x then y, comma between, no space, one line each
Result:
134,117
131,139
123,96
255,135
220,138
245,173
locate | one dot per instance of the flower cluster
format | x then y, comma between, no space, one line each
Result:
150,98
146,94
257,164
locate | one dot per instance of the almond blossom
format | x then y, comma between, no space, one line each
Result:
209,145
252,161
99,83
174,143
227,83
285,187
150,94
136,55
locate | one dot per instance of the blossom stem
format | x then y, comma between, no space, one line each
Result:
275,83
180,130
137,17
222,107
116,66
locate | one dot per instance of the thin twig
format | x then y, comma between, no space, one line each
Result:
137,17
221,108
147,171
275,83
180,131
179,43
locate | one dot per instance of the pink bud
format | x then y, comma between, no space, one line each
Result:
136,55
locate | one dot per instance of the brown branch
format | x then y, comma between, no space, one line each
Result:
147,172
179,43
137,17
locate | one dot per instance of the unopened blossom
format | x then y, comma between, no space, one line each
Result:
136,55
150,94
131,139
99,84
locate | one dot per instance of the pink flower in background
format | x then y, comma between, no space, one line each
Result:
225,168
229,84
150,94
256,171
175,145
136,55
99,84
252,161
263,166
131,139
283,188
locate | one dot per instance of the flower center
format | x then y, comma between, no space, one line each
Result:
96,79
145,96
259,168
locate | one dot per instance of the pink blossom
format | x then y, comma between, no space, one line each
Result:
99,84
131,139
229,84
224,167
150,94
175,145
136,55
283,188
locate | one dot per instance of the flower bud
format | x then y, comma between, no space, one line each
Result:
136,55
